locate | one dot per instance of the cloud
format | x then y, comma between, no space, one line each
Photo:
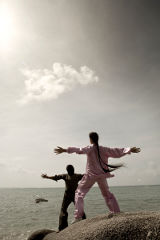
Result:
2,165
147,174
13,168
21,170
44,84
152,169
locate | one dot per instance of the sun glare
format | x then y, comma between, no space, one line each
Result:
6,27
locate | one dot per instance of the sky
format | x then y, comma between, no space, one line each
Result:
71,67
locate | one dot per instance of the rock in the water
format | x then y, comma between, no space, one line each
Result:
122,226
40,234
38,200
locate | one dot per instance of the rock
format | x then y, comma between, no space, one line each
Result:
38,200
40,234
122,226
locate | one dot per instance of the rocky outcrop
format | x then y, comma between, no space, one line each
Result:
40,234
122,226
38,200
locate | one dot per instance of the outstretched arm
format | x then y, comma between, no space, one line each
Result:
60,150
55,178
120,152
48,177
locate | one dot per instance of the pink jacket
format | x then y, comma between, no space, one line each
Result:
93,167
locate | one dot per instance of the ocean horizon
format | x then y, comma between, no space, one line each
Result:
141,185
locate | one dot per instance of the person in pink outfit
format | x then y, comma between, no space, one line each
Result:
97,170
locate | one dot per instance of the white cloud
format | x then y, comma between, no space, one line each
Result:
152,169
2,165
148,174
13,168
21,170
44,84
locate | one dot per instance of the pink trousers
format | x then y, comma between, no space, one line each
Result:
84,186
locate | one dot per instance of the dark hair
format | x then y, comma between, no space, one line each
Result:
70,169
94,137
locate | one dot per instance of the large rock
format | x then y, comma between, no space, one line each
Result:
122,226
40,234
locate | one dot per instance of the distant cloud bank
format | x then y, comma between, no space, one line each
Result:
44,84
15,168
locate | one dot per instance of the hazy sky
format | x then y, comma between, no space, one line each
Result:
68,67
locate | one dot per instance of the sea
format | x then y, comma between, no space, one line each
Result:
20,215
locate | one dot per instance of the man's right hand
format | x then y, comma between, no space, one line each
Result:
44,176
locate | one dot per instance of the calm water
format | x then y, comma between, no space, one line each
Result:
20,215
